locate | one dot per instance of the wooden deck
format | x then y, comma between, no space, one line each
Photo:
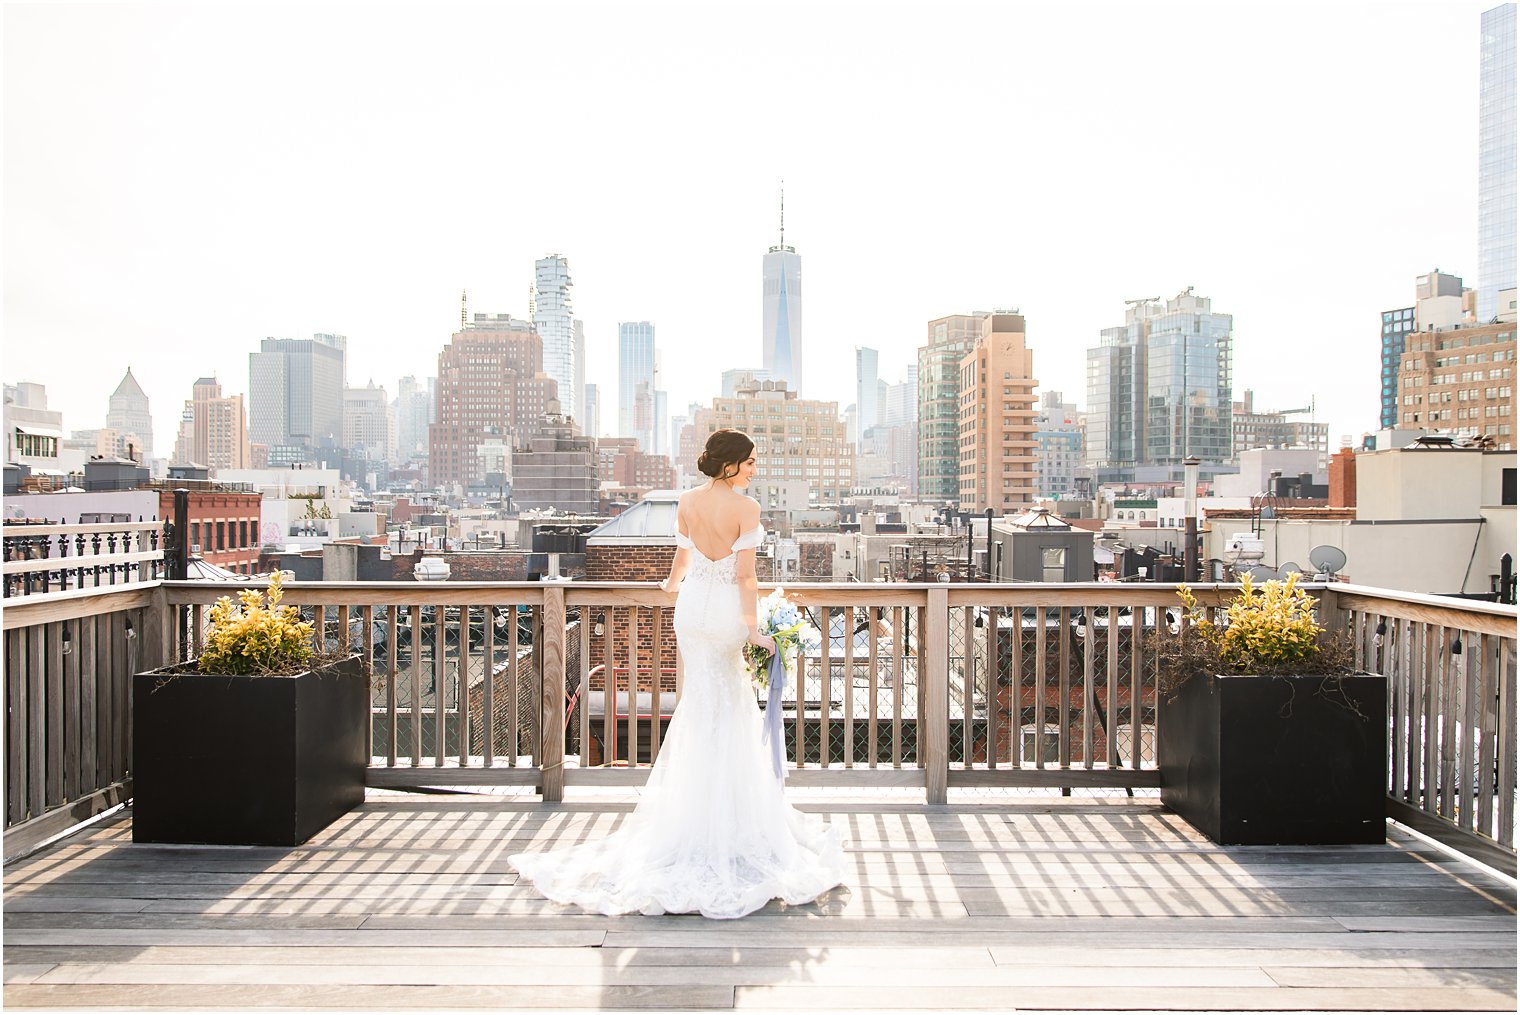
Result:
1038,903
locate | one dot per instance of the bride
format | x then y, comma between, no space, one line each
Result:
712,833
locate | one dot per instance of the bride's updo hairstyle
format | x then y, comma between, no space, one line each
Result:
726,450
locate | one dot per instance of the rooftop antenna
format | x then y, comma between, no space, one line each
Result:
464,316
783,214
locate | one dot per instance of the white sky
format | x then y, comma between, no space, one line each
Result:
182,181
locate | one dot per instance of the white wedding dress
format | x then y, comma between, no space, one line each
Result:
713,833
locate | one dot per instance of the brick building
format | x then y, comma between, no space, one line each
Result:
491,384
223,523
798,441
630,470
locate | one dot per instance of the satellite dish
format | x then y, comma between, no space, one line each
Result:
1327,559
1291,567
1261,573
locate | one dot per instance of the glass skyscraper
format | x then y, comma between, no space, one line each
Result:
1496,159
636,408
555,323
781,311
1159,388
1396,325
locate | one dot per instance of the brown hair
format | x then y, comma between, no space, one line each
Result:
726,450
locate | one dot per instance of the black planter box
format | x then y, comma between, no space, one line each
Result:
247,760
1255,760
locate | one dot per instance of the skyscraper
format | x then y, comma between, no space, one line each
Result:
1496,158
593,423
413,410
636,383
1397,324
369,423
997,446
578,345
213,429
782,311
1158,388
491,386
295,394
127,413
867,388
939,403
555,321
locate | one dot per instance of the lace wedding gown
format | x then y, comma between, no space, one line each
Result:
713,833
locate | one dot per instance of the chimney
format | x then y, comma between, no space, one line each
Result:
1343,478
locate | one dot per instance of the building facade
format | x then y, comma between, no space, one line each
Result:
1263,428
33,432
368,427
798,442
997,447
213,429
556,468
939,403
413,411
1397,324
295,394
1159,387
628,470
491,385
1496,159
781,312
128,415
555,321
636,383
1461,379
1058,447
867,389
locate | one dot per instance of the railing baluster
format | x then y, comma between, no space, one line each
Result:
968,667
1089,691
899,643
1432,782
656,673
1506,670
1040,681
1466,789
343,635
418,637
801,722
1488,724
1446,674
319,628
16,708
1137,703
632,730
552,700
55,711
105,660
367,618
990,678
488,688
1398,705
873,741
462,687
825,679
934,679
392,675
1111,672
89,704
583,688
849,687
1063,735
609,687
440,682
74,781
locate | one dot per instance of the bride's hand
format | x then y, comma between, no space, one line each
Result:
667,587
765,641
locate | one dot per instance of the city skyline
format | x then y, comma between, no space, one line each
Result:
124,247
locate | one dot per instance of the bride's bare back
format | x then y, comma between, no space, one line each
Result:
714,516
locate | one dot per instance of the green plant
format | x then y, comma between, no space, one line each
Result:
1269,631
249,636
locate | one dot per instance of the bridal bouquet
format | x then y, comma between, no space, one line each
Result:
779,618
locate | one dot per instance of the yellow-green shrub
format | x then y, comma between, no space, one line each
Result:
249,636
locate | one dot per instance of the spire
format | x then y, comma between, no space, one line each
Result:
464,316
783,214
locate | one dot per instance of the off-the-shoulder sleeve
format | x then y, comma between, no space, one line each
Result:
751,539
683,541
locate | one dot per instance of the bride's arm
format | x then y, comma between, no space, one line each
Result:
749,593
679,565
681,562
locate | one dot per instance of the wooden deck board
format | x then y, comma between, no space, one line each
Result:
1096,904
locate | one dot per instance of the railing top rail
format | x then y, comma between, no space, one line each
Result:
50,607
1422,599
13,530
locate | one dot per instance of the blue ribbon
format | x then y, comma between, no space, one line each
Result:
772,732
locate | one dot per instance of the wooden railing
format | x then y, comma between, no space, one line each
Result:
55,558
69,657
932,686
